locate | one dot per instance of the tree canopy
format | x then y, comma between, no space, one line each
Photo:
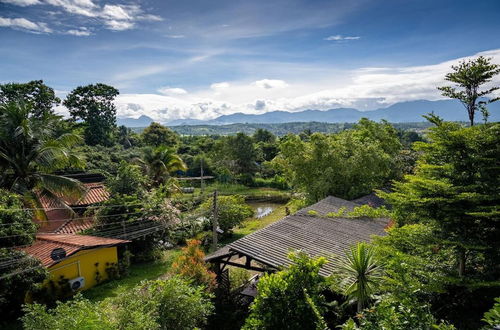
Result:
469,76
41,97
94,105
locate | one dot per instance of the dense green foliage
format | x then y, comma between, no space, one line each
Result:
29,156
160,304
456,188
40,96
347,165
16,225
231,211
19,274
156,135
290,299
279,129
94,105
128,180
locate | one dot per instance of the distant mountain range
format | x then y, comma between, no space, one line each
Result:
411,111
142,121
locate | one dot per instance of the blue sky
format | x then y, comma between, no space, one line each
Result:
201,59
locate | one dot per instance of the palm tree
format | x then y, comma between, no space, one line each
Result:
29,156
159,163
360,273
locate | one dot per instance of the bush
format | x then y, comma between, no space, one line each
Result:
26,274
390,313
190,265
75,314
232,210
290,299
171,304
15,222
160,304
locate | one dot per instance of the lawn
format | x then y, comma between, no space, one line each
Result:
253,224
250,193
138,273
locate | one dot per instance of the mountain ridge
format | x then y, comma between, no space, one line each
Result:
409,111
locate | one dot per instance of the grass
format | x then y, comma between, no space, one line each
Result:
253,224
138,273
250,193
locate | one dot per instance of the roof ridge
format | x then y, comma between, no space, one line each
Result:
56,241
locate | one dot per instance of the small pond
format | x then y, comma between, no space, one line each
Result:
262,209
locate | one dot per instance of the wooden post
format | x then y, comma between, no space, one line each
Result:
215,223
201,172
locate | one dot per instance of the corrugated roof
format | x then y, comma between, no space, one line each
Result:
46,243
315,235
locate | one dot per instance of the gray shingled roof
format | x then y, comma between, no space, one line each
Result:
315,235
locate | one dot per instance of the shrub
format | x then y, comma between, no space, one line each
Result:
75,314
190,265
290,299
25,274
16,225
232,210
160,304
171,304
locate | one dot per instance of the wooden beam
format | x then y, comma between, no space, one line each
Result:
257,269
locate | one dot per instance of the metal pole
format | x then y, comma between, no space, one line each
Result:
215,223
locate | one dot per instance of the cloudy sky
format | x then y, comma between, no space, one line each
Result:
201,59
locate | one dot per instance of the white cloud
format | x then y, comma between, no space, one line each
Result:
22,3
81,32
172,91
25,24
220,86
115,13
339,37
363,88
116,25
270,83
116,17
175,36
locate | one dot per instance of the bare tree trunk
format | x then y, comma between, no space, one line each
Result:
360,306
471,110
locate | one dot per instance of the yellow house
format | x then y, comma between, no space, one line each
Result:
80,259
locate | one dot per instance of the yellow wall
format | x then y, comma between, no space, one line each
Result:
86,260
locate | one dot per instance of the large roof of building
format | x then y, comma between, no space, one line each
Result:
317,235
46,243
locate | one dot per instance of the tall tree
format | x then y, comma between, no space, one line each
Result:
469,76
359,274
347,165
29,156
94,105
456,188
156,135
239,153
41,97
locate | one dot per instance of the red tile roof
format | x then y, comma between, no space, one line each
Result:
46,243
59,220
75,226
96,193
